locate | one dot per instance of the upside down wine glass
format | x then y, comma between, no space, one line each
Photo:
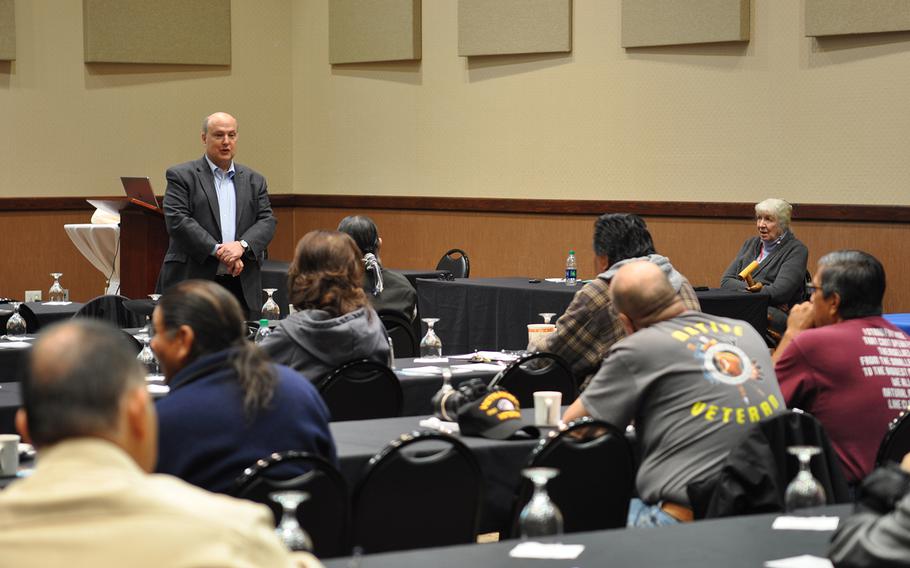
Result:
56,293
289,530
147,356
430,345
804,491
270,309
540,517
15,325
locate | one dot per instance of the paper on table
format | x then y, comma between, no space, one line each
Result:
157,389
802,561
431,360
555,279
820,523
14,344
56,303
550,550
434,423
488,355
431,370
477,367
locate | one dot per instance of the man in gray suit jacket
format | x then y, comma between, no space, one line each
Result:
218,217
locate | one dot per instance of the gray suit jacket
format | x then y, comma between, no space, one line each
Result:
783,272
193,221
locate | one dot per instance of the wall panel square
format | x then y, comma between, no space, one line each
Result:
196,32
498,27
841,17
7,30
679,22
374,30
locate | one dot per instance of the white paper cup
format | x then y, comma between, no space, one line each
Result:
538,333
546,408
9,454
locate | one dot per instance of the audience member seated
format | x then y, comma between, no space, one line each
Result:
691,382
877,535
91,500
386,289
228,405
782,260
334,323
589,326
839,359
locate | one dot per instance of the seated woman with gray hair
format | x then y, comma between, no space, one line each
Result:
778,265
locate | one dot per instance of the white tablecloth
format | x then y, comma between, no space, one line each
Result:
100,244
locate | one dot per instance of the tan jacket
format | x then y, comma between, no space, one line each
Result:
89,504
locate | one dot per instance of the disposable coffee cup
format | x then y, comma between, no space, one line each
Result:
538,333
546,408
9,454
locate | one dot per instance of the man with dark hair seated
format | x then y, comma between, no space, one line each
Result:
589,326
842,362
229,405
91,501
877,535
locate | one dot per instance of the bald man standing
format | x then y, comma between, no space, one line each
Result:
218,217
691,382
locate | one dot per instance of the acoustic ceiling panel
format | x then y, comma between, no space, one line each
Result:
196,32
677,22
497,27
373,30
7,30
841,17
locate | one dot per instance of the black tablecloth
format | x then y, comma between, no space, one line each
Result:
10,401
413,275
418,390
740,542
12,360
493,313
501,461
39,315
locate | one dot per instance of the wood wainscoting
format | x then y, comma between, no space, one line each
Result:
502,237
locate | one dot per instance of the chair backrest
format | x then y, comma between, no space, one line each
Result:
758,470
537,372
325,515
404,340
455,261
110,308
424,489
596,476
360,390
896,443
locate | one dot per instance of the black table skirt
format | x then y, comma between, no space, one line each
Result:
739,542
493,313
39,315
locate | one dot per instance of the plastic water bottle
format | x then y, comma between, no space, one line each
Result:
571,269
264,330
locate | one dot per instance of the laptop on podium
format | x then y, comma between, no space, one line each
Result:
140,189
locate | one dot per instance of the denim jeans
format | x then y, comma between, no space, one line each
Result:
642,515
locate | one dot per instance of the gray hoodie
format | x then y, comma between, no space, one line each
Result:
314,343
676,279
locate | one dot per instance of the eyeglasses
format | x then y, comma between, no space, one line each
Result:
810,289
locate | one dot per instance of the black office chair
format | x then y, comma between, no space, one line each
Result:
325,515
596,477
111,308
455,261
424,489
537,372
404,339
757,471
896,443
360,390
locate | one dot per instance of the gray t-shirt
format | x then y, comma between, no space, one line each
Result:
693,385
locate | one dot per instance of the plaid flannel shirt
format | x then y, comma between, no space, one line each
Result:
590,326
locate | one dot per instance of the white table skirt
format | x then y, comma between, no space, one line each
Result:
100,245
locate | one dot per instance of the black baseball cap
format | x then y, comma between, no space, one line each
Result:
497,415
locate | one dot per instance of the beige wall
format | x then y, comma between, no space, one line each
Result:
822,122
67,128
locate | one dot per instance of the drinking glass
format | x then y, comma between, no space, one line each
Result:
540,517
270,309
56,294
154,297
15,325
430,345
289,530
804,491
547,316
147,357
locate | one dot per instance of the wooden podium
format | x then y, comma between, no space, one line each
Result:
143,243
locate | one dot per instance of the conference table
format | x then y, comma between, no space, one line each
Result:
738,542
493,313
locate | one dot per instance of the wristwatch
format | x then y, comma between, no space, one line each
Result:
245,245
